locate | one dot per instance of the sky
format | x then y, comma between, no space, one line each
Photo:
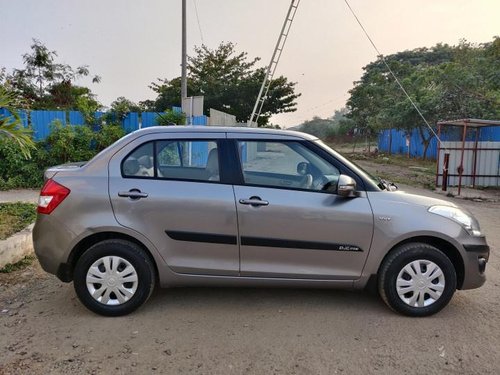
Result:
132,43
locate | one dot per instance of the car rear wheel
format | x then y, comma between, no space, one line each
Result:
114,277
417,279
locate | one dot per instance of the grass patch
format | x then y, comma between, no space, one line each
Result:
14,217
417,180
428,166
398,169
398,160
22,264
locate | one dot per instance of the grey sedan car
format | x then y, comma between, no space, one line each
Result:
211,206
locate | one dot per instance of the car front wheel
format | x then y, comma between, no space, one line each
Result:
114,277
417,279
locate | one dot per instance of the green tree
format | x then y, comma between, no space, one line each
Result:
445,82
11,126
229,82
88,106
338,126
122,106
319,127
44,83
66,96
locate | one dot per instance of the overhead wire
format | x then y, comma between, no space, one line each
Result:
394,75
321,105
198,20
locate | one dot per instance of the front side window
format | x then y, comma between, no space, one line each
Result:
174,159
285,164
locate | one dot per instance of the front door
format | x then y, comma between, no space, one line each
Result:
291,222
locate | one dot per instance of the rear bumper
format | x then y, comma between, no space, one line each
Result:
51,240
65,272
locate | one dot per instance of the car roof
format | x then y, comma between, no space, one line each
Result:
222,129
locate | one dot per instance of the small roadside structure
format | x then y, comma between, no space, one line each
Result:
469,154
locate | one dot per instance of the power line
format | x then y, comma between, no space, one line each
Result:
394,75
198,19
331,101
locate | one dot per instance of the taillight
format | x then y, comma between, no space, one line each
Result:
51,196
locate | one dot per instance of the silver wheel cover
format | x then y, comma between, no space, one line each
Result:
420,283
112,280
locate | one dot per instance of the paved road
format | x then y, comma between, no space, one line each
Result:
24,195
250,331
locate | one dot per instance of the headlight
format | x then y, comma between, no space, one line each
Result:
465,220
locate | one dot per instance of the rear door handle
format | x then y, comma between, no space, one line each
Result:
133,194
254,201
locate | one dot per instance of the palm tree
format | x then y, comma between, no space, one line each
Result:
12,127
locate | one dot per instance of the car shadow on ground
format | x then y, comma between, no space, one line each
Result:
201,303
257,300
250,301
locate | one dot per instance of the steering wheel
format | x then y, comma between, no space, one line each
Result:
307,180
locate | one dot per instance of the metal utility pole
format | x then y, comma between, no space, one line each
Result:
184,57
261,98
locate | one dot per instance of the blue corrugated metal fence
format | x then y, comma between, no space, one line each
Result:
149,119
131,122
41,121
398,143
76,118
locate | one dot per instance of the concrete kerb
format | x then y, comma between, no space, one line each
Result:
16,247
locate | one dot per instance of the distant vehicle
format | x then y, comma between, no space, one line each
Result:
200,206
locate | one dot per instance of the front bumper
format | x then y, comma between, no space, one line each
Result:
475,260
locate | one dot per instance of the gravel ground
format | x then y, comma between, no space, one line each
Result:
44,329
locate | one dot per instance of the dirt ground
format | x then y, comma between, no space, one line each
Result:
44,329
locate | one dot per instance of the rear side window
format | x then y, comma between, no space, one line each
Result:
140,162
174,159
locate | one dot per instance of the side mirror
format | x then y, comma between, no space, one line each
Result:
346,186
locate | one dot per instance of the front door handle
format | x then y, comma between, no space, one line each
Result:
133,194
254,201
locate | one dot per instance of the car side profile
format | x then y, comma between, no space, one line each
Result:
212,206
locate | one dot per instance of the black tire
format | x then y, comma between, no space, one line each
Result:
127,251
394,263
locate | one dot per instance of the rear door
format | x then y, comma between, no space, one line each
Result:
289,226
169,188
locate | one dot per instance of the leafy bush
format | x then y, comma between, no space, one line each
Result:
65,144
77,143
15,170
170,117
107,135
